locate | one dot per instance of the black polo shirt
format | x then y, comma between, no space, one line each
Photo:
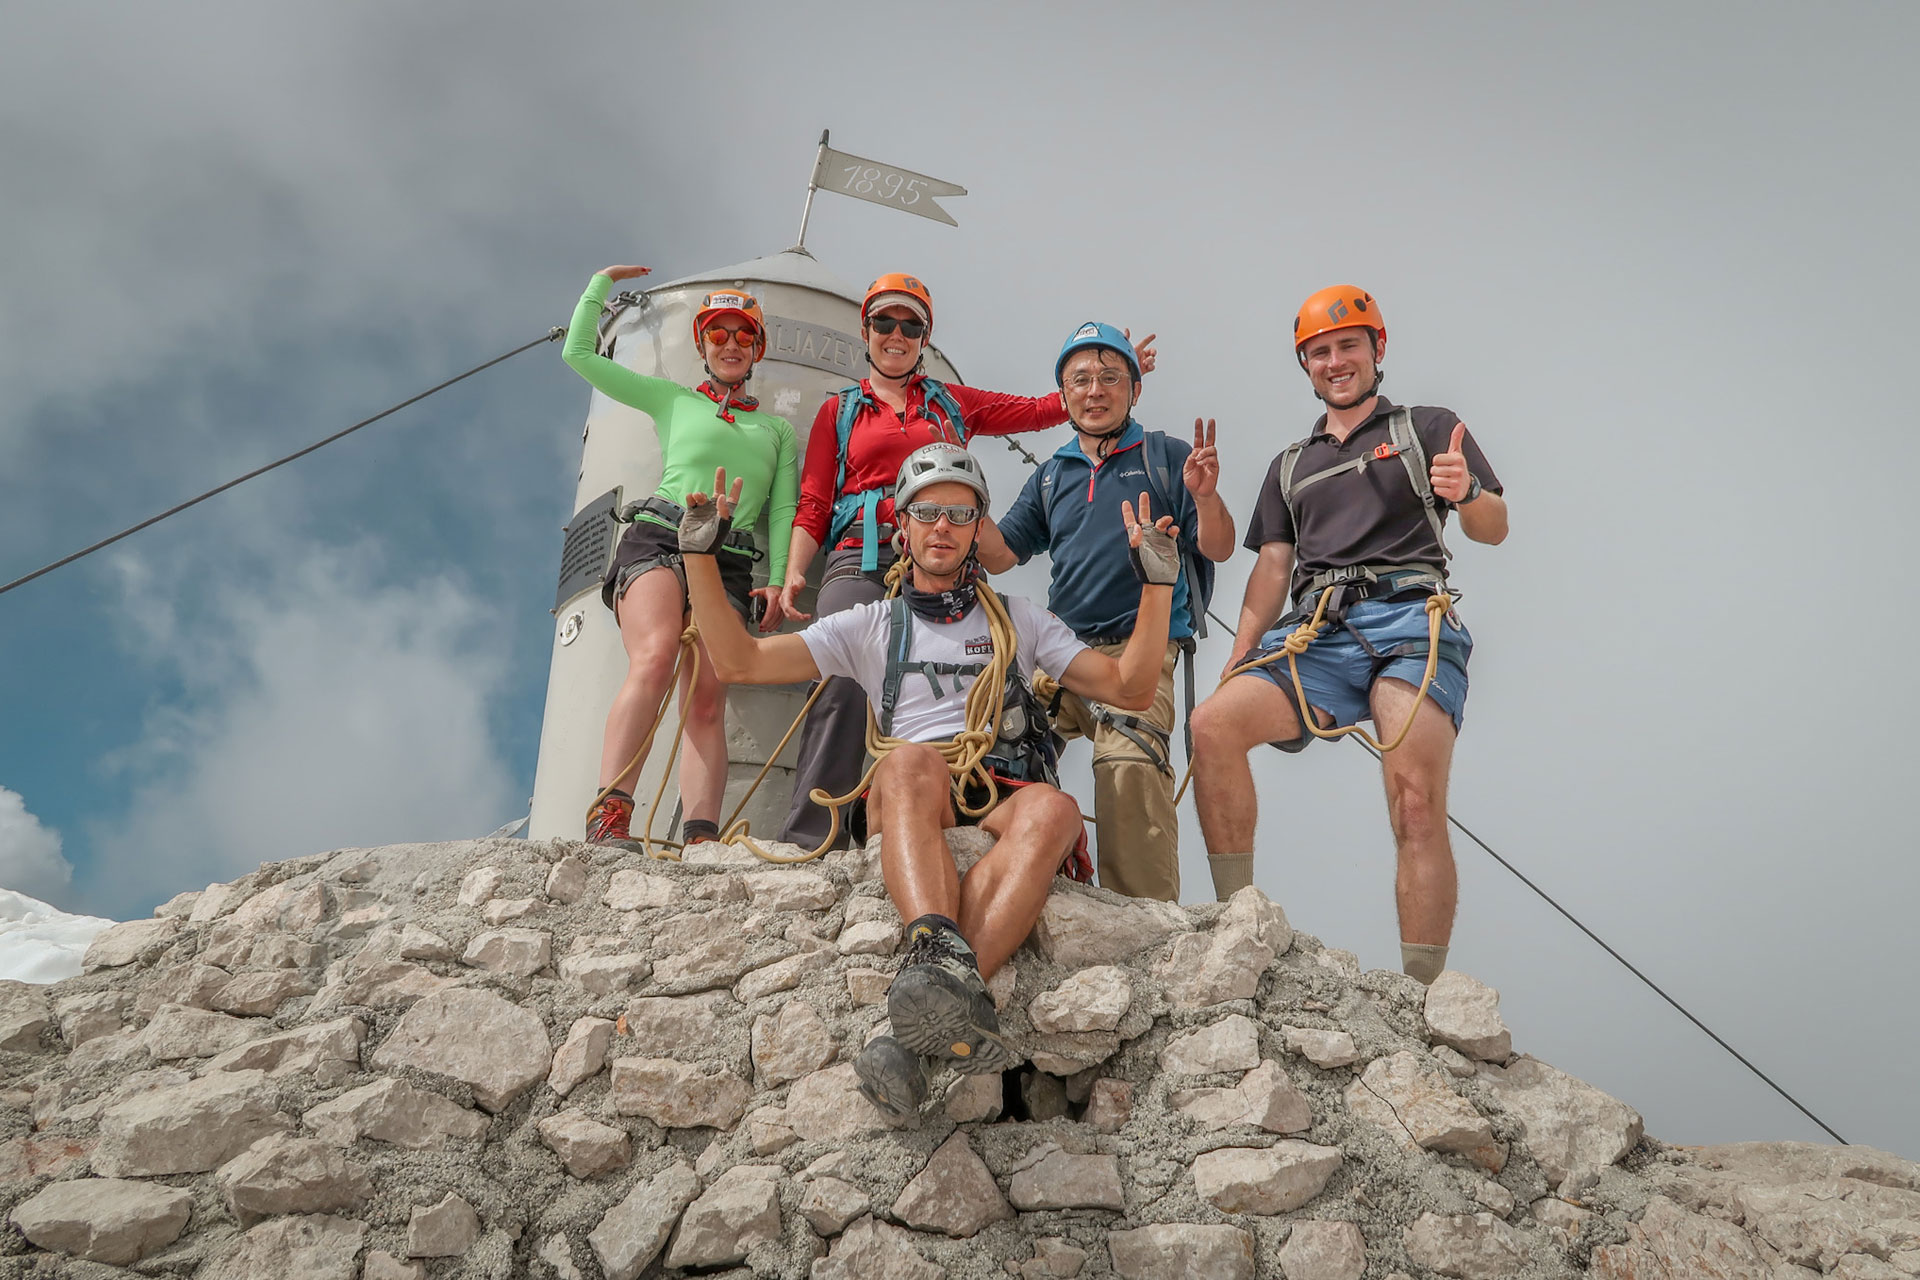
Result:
1371,515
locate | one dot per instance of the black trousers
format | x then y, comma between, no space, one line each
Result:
833,742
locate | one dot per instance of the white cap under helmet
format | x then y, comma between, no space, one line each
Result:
932,464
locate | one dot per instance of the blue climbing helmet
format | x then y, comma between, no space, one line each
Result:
1095,334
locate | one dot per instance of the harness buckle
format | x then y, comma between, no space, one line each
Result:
1385,451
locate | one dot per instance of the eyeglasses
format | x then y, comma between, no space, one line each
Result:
744,337
928,512
1081,383
887,324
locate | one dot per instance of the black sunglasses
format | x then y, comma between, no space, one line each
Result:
887,324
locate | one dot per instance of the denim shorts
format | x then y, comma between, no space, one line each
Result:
1338,672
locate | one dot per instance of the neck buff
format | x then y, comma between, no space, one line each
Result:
950,605
734,398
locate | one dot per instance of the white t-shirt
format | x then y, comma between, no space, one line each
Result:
853,644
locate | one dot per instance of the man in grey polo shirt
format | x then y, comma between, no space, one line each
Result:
1355,515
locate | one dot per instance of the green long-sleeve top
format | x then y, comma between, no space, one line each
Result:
756,447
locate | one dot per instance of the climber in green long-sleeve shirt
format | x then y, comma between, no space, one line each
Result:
715,425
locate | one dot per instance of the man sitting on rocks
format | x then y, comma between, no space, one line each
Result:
918,657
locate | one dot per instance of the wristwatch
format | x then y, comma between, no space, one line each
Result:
1473,490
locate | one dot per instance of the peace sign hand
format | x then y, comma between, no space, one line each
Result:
1152,545
708,520
1201,474
1448,473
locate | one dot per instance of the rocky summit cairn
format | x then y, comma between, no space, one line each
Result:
503,1058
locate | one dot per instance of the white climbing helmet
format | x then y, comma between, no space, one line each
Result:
931,464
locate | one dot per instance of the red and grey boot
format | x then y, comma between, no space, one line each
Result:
609,819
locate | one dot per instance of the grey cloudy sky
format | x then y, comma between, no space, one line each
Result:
1655,255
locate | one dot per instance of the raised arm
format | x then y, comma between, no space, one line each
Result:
652,396
1131,680
1265,598
738,657
1213,529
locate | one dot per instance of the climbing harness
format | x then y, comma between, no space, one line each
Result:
1403,442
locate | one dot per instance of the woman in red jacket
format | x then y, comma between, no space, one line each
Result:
859,439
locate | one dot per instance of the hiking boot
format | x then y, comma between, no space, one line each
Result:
892,1077
939,1006
607,821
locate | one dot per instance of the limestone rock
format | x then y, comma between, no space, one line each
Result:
1063,1181
739,1211
178,1032
501,911
1053,1256
281,1175
1077,929
1465,1014
1324,1049
769,979
259,995
104,1219
446,1230
1249,908
1093,999
972,1098
790,890
382,1265
387,985
304,1050
1276,1179
567,880
604,975
47,1156
1264,1097
790,1044
480,884
292,906
1476,1247
496,1047
1182,1251
955,1194
187,1128
582,1056
125,943
869,986
1206,969
1567,1222
873,1250
397,1112
1231,1044
423,944
869,938
1570,1125
23,1016
639,891
88,1017
1406,1095
830,1204
1324,1251
1109,1105
312,1247
1458,1064
827,1106
585,1146
520,952
630,1234
669,1025
718,963
676,1095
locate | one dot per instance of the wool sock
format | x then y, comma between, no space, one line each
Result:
933,921
694,830
1231,871
1422,961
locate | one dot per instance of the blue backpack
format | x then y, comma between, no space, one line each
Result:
865,505
1157,453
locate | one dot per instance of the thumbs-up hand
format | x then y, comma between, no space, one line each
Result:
1448,472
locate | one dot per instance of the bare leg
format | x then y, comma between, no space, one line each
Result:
1003,893
703,750
910,804
1426,888
648,615
1238,716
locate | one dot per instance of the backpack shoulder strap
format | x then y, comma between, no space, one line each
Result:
850,401
899,644
937,394
1159,460
1407,441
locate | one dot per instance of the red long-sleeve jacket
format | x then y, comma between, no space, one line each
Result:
881,440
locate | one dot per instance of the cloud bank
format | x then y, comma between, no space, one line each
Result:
30,857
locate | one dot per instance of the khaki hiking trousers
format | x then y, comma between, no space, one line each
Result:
1137,829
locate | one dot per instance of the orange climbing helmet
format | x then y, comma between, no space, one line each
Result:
725,302
1340,306
898,288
